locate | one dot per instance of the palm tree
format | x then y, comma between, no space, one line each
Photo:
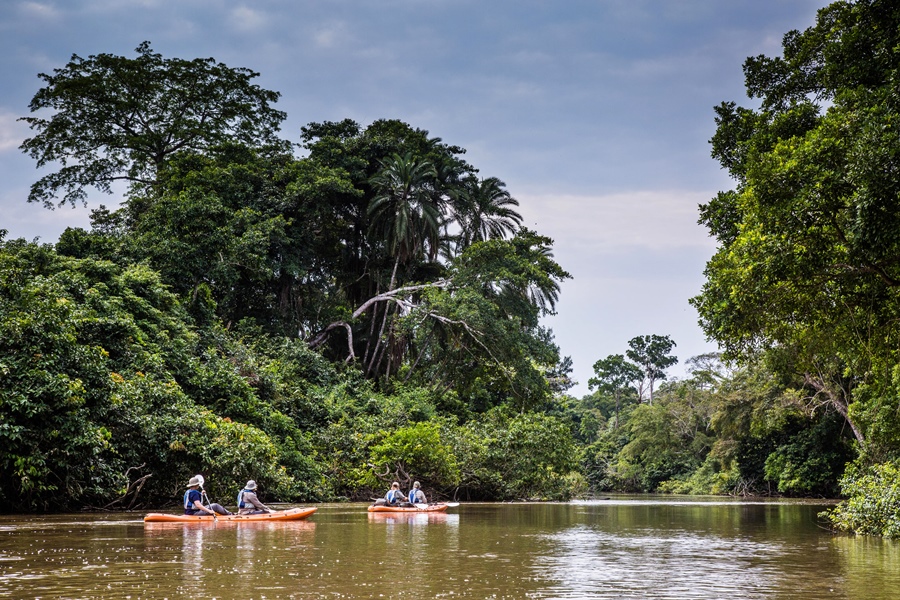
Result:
484,211
539,288
404,213
406,216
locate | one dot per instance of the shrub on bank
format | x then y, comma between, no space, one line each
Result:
872,506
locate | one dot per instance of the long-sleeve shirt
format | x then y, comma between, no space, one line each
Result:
252,503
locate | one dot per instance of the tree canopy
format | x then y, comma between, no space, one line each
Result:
116,118
373,310
307,321
806,275
808,239
651,354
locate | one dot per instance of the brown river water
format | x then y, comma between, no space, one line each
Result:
645,547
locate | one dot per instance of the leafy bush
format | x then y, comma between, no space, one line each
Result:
415,452
92,356
810,462
872,506
713,477
518,456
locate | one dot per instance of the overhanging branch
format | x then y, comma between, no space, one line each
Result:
397,296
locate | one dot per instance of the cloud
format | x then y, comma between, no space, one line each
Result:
106,6
38,10
332,35
32,221
635,258
12,132
655,220
246,19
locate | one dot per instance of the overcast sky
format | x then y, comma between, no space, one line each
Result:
596,114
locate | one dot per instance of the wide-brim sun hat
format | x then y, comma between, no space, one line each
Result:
195,482
251,485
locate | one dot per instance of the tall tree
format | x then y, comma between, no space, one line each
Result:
651,352
407,220
116,118
806,268
365,264
404,215
616,376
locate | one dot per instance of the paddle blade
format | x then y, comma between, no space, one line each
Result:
452,504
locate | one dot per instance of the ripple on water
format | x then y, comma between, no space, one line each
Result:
587,562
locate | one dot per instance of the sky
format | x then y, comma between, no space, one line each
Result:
597,115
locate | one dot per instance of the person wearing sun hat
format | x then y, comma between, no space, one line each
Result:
193,500
248,503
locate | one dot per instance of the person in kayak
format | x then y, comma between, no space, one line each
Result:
394,497
193,500
248,503
416,495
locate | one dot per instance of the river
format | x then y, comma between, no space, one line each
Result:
647,547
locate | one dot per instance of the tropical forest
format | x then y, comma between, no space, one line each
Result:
361,305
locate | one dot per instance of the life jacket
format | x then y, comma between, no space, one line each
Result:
188,505
412,495
392,496
240,499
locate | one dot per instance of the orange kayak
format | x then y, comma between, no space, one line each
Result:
294,514
441,507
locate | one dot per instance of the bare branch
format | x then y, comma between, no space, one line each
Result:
323,335
836,400
396,296
133,489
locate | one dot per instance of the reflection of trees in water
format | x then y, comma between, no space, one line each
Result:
229,559
867,564
420,542
192,558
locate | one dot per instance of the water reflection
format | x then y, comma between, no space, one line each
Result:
652,548
711,550
413,519
587,562
867,564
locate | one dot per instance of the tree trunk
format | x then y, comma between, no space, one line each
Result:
387,311
616,426
837,400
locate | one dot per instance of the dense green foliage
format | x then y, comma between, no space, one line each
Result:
806,273
873,505
720,431
113,396
116,118
371,311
